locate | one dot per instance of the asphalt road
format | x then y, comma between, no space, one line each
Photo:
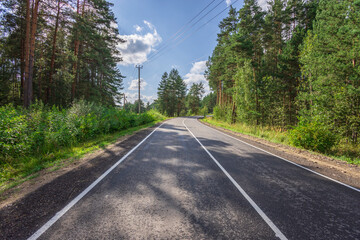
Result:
188,181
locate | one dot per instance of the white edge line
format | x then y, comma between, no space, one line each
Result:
298,165
276,230
58,215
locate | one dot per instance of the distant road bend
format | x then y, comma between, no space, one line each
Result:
189,181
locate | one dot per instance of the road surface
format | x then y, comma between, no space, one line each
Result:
189,181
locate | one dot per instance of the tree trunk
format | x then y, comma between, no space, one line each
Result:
24,80
40,78
30,51
76,52
52,64
256,97
22,62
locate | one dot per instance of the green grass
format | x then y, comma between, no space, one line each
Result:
343,151
28,167
271,134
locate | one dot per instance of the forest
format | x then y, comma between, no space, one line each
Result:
58,51
295,66
59,84
176,99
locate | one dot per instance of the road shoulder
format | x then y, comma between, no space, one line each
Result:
336,169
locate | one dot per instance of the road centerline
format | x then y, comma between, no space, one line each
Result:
268,221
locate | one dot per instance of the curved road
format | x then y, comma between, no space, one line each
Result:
189,181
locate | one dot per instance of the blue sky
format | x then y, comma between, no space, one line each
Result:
151,27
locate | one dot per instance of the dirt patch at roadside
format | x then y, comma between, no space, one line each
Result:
336,169
30,205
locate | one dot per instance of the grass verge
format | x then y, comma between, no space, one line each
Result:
28,167
343,151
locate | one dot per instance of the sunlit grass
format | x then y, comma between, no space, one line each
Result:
271,134
343,151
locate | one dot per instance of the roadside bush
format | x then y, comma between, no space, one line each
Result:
156,115
42,130
219,113
204,111
313,136
14,137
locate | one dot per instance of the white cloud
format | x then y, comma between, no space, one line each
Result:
137,47
134,84
263,4
196,75
149,25
228,2
138,28
149,99
132,97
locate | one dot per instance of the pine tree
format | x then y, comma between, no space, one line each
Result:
163,93
193,98
171,94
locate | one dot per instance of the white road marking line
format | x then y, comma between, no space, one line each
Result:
58,215
298,165
277,232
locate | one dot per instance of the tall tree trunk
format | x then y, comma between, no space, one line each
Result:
76,52
25,77
22,61
256,97
52,64
30,51
40,79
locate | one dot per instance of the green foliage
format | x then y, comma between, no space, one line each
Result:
312,135
219,113
296,59
204,111
40,130
193,98
331,67
171,94
209,101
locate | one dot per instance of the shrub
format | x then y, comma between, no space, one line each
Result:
312,135
204,111
40,129
219,113
14,132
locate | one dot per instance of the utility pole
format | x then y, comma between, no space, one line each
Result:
139,67
124,100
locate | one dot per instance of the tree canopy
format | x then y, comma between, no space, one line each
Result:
297,60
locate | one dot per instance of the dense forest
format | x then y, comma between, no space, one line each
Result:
295,64
57,51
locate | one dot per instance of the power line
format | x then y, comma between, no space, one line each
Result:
205,24
189,35
185,29
184,26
